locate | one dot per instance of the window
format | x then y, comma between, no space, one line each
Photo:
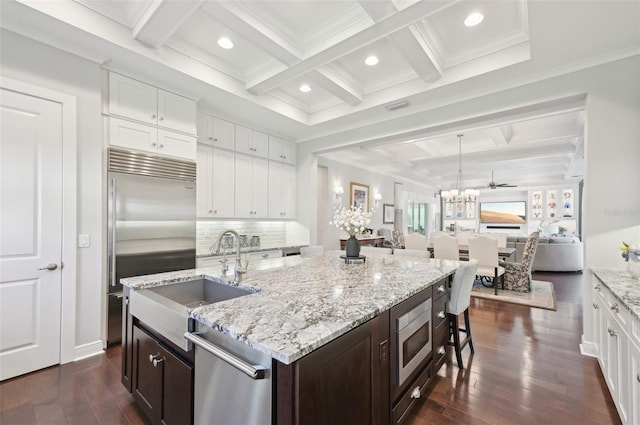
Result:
417,217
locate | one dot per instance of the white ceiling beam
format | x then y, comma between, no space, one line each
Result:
501,135
377,31
410,42
162,19
253,30
330,78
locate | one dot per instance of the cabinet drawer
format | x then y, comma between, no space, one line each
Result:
413,393
265,255
616,309
440,347
441,288
598,288
439,312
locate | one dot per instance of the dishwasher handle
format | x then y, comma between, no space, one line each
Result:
253,371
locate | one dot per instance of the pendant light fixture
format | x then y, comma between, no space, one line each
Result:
460,194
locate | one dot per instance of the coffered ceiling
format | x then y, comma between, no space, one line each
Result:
427,58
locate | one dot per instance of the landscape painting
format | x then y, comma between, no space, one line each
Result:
503,212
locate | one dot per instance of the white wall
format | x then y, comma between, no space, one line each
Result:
32,62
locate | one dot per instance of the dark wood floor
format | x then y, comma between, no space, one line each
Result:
527,369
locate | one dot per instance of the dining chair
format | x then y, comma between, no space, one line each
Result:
415,241
311,251
367,249
517,276
388,239
500,237
460,298
446,247
485,250
411,252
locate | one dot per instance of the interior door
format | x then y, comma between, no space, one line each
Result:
31,233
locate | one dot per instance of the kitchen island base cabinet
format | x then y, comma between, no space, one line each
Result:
343,382
162,382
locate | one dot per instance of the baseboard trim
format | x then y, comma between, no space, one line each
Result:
588,349
87,350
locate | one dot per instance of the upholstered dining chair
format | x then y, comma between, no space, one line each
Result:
485,250
415,241
517,276
411,252
397,238
311,251
388,239
368,249
460,298
445,247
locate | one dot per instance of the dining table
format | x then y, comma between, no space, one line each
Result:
503,251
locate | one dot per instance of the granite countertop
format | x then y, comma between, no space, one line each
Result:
623,286
303,303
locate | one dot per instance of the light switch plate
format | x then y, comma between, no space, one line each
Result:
84,240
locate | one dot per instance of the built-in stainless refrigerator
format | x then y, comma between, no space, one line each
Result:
151,222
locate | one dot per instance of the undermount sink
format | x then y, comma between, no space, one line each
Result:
195,293
166,308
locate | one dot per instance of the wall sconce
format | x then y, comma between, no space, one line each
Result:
339,190
376,198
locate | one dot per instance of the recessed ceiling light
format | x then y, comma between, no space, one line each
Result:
371,60
304,88
474,19
225,43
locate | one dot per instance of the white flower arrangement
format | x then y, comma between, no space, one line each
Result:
352,220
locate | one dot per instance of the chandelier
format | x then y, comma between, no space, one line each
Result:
459,194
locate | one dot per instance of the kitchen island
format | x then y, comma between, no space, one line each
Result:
300,307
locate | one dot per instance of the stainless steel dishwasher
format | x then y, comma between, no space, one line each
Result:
232,383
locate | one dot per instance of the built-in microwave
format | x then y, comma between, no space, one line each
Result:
413,339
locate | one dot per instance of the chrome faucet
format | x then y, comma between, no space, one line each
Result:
239,270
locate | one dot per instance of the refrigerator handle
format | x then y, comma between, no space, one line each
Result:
112,219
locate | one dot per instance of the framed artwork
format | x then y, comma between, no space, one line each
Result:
387,213
536,205
359,196
471,209
552,203
449,209
567,203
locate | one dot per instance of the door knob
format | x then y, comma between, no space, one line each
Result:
50,267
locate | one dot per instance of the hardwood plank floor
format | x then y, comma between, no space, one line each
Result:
527,369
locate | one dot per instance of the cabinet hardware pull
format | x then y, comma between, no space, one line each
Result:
597,288
215,140
596,306
210,211
614,307
441,350
153,116
441,288
215,211
161,145
638,377
441,314
155,359
210,138
161,118
416,392
153,144
611,332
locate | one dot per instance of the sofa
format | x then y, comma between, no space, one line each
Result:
554,253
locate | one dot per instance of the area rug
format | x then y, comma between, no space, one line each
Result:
541,295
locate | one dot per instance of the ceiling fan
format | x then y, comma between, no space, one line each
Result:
494,185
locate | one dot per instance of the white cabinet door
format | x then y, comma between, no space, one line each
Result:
176,112
133,135
176,144
260,191
282,150
223,186
132,99
617,372
634,384
252,185
599,329
224,134
204,191
204,129
251,142
282,190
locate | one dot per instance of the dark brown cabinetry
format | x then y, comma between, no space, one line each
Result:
127,337
440,323
344,382
162,382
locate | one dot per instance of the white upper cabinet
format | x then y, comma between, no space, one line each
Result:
213,131
252,142
215,182
282,150
282,190
131,134
148,104
252,187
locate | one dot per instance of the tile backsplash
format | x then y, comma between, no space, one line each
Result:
273,234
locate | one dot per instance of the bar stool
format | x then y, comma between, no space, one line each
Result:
459,303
